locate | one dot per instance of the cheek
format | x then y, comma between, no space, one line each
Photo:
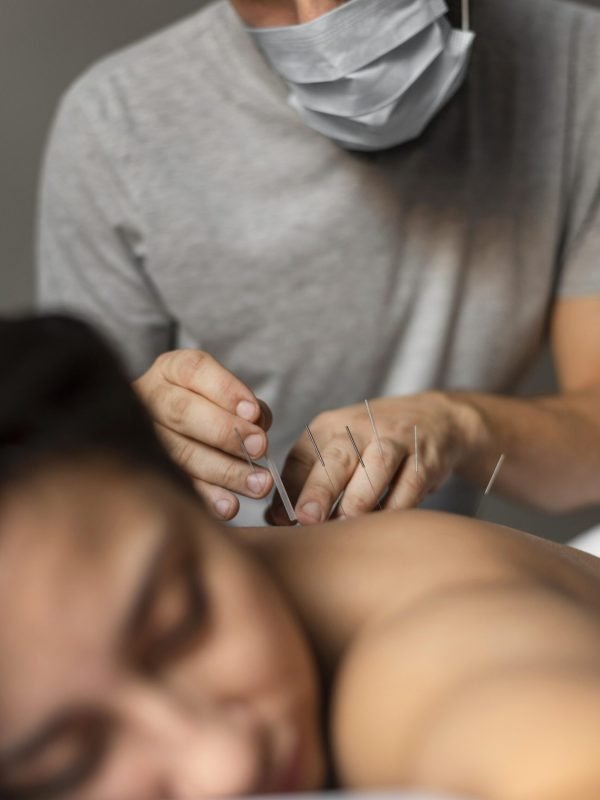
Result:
251,652
265,642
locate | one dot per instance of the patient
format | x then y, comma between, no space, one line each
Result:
149,653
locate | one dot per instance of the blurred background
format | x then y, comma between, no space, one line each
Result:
44,45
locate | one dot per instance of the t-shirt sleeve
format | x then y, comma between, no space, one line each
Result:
580,273
91,238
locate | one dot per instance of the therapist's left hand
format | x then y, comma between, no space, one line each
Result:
446,432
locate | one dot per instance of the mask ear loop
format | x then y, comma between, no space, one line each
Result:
466,15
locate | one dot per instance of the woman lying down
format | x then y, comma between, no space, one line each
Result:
148,653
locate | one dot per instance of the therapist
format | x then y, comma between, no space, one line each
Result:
315,202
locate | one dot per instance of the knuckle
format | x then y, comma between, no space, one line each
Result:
231,474
177,405
183,452
434,466
392,445
417,482
155,399
359,503
162,360
322,493
323,421
337,451
165,365
186,365
322,416
222,433
226,384
393,503
402,433
299,458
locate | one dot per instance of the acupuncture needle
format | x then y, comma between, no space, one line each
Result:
466,21
372,421
416,450
245,450
285,498
490,485
322,460
362,463
377,438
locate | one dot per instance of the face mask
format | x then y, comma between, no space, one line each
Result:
370,74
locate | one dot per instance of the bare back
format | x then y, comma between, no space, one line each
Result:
465,656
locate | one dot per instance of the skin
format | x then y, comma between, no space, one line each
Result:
201,410
550,463
470,665
215,702
272,13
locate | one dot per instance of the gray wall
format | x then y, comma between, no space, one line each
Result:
44,44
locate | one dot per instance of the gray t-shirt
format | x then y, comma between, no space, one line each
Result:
183,202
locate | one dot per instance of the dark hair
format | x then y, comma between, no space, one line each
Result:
64,394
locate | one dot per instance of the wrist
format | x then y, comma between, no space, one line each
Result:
472,431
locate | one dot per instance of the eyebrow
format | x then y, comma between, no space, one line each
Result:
145,595
58,724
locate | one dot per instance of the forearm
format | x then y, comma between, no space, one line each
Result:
552,446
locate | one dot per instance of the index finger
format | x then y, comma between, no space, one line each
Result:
313,486
201,373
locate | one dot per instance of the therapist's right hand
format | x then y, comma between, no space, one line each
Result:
197,405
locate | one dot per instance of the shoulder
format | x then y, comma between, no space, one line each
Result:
535,40
415,555
452,693
524,18
135,87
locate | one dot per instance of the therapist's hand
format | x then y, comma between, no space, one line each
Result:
197,405
445,436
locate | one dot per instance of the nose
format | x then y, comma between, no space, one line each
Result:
218,751
221,757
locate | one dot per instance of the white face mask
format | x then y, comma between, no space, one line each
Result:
371,74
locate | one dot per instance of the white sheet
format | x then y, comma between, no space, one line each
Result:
589,541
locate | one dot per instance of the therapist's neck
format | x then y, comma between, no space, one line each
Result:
272,13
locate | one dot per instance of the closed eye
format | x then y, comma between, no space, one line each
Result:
170,613
167,618
65,754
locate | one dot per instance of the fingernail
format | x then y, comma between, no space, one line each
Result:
247,410
254,444
257,482
223,508
312,511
